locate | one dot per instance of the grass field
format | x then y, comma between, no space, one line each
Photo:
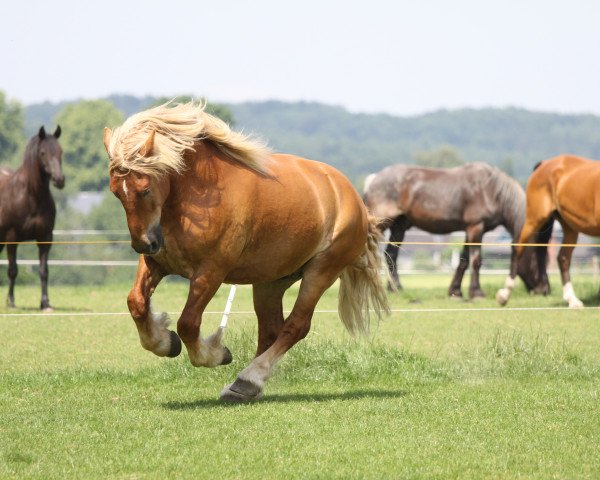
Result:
459,391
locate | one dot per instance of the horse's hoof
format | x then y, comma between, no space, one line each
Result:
175,348
502,297
476,295
227,356
576,304
241,391
457,295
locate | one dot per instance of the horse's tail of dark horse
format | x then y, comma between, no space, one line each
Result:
361,288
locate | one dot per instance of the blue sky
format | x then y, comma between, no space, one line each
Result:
399,57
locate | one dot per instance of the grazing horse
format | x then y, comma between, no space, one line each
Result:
563,188
214,206
27,209
476,197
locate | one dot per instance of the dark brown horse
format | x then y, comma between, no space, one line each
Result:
27,209
563,188
476,198
213,206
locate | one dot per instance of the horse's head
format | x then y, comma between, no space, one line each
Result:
534,278
50,156
142,197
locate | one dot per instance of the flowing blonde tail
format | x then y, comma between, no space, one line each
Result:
361,287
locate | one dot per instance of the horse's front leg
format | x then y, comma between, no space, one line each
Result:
207,352
13,270
564,263
503,294
475,235
152,327
44,250
532,224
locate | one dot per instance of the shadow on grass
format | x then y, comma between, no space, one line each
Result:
289,398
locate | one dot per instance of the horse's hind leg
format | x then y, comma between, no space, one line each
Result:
13,270
268,306
564,263
250,383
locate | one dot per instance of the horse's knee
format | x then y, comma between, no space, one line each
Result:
137,304
12,271
43,274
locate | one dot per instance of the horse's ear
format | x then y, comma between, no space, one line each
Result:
57,132
107,136
147,147
42,133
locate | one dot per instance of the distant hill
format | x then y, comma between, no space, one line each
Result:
359,144
363,143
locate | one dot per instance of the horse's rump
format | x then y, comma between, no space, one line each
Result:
566,186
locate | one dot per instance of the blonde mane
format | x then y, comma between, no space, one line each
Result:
177,129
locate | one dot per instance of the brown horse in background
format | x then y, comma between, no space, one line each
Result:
27,209
563,188
215,207
475,197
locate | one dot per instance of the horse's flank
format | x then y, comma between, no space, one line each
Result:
177,129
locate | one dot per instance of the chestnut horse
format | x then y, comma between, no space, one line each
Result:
27,209
564,188
216,207
475,197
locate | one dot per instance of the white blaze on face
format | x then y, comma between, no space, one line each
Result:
124,188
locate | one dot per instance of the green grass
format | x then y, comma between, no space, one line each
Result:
448,394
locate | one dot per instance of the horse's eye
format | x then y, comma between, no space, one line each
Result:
145,193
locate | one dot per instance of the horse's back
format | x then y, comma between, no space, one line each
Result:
315,188
564,171
429,197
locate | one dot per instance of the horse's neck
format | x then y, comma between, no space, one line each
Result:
513,220
34,180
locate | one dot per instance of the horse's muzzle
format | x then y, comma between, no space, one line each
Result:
59,182
152,244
